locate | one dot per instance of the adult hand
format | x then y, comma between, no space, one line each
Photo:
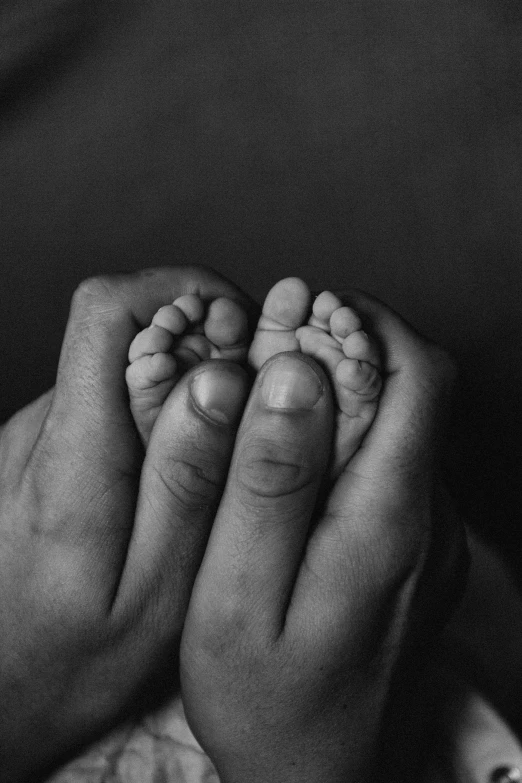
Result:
96,563
303,604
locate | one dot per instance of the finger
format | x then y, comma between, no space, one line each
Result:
419,381
182,481
88,446
373,537
259,534
400,449
106,314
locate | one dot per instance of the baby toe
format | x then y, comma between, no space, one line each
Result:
171,318
193,349
323,307
149,370
226,324
286,305
358,345
192,307
343,322
359,376
153,340
320,345
285,309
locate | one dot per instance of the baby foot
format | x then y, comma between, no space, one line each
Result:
180,336
332,335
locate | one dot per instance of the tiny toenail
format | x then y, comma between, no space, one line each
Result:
291,384
219,393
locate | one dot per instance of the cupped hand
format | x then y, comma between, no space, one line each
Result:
306,599
98,552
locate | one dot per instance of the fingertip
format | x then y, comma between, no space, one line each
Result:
290,384
219,392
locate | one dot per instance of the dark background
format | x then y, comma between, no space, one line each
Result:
375,144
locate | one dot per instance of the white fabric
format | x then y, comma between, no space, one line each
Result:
159,748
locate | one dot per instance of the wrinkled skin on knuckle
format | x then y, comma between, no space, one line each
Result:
93,290
269,470
99,300
191,486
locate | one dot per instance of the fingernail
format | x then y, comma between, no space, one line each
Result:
291,384
219,394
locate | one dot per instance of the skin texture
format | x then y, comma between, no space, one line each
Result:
375,144
96,560
304,603
378,141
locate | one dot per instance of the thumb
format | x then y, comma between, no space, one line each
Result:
87,444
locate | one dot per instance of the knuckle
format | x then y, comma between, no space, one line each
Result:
270,470
98,300
94,290
191,486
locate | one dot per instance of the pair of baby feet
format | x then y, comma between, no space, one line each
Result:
189,331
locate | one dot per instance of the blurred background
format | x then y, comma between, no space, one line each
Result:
374,144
